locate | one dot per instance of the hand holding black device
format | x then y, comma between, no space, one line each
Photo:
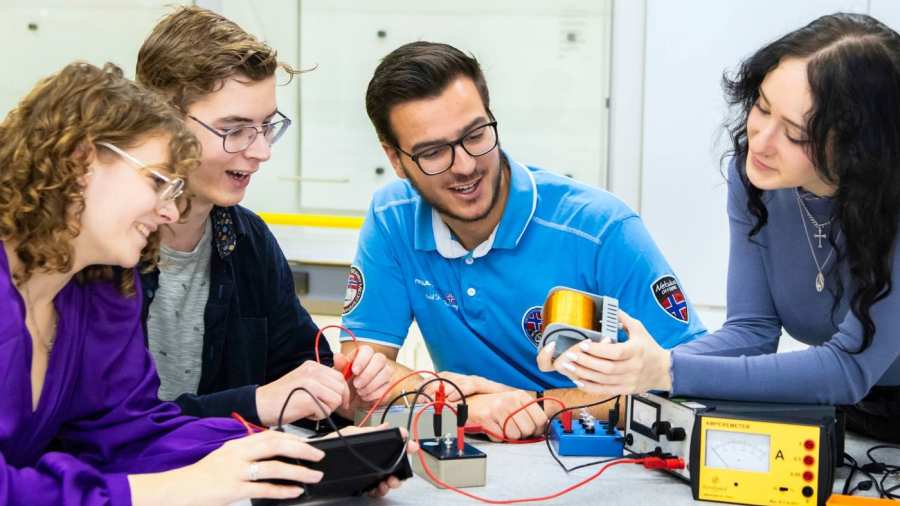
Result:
345,473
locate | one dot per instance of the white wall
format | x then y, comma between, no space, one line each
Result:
547,65
40,37
626,100
274,187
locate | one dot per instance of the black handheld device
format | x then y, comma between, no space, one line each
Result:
344,474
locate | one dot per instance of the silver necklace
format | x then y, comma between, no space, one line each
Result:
812,219
820,278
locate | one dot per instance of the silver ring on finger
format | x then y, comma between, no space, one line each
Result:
253,471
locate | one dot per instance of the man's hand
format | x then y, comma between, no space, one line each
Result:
370,372
468,383
491,410
323,382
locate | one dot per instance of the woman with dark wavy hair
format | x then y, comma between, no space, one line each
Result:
814,204
91,166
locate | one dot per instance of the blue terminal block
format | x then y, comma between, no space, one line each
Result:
586,440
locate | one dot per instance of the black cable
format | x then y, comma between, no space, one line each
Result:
421,391
890,468
605,461
357,455
885,470
888,492
571,408
862,486
856,468
390,404
343,440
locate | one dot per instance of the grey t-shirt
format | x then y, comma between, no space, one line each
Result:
175,323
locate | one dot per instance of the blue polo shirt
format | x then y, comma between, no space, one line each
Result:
480,311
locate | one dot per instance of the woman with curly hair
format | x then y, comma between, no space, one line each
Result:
91,167
814,204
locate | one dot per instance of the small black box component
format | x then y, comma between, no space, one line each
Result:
343,473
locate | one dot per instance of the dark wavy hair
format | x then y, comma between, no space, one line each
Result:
853,68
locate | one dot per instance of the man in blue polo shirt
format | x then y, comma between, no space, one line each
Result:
469,242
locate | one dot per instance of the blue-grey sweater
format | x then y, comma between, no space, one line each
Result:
771,286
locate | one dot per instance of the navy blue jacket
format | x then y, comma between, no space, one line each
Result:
255,328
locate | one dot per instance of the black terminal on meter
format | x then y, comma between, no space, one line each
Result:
741,452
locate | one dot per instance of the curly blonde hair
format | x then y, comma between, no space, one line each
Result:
192,51
47,143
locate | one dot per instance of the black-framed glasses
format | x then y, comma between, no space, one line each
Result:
435,160
235,140
167,188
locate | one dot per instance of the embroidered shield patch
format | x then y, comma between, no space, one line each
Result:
356,285
532,324
670,298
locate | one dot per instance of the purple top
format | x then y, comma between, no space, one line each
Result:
771,284
98,400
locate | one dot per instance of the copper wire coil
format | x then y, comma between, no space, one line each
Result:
569,307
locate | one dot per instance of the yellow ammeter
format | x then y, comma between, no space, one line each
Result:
751,461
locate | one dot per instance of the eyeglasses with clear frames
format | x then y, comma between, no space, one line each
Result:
167,188
235,140
438,159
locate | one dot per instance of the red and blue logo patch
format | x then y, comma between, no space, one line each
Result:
356,286
533,324
670,298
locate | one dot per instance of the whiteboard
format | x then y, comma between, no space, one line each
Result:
689,44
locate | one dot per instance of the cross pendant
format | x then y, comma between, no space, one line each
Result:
819,235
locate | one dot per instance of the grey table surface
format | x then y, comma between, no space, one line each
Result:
520,471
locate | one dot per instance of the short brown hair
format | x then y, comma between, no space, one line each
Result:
47,143
192,51
415,71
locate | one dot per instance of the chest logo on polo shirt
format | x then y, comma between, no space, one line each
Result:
533,324
450,301
434,294
670,298
356,285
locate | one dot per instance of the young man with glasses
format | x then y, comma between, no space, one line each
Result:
223,322
469,242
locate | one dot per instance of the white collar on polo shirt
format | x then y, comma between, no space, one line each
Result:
448,247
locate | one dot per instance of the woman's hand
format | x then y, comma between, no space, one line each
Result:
238,470
606,368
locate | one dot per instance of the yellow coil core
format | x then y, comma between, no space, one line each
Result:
569,307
